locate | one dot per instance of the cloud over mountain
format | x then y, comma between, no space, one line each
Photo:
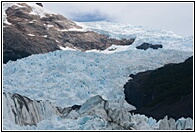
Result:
177,17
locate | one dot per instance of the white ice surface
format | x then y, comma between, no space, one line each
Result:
111,49
94,114
168,39
71,77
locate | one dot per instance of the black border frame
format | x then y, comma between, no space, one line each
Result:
98,130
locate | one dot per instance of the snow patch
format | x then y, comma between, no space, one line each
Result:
50,25
112,49
84,27
37,10
72,29
115,48
30,35
63,30
34,13
66,48
76,29
45,36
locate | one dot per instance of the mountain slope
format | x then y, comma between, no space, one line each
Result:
165,91
31,29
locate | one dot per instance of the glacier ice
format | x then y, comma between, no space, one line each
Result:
168,39
24,111
94,114
67,78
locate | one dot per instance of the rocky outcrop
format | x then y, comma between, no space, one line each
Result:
30,29
165,91
24,111
145,46
17,45
40,4
91,40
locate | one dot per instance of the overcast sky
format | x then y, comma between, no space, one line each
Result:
176,17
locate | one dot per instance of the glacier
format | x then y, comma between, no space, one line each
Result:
168,39
73,76
92,79
94,114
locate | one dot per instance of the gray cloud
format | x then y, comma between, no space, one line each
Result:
177,17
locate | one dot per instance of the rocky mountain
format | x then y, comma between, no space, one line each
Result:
40,4
165,91
29,29
145,46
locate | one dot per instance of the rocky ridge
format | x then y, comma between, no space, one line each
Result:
145,46
30,29
165,91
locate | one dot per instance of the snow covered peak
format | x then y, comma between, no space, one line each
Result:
33,29
38,10
34,10
5,6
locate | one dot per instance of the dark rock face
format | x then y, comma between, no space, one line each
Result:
17,45
146,46
91,40
29,33
40,4
75,107
165,91
133,89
